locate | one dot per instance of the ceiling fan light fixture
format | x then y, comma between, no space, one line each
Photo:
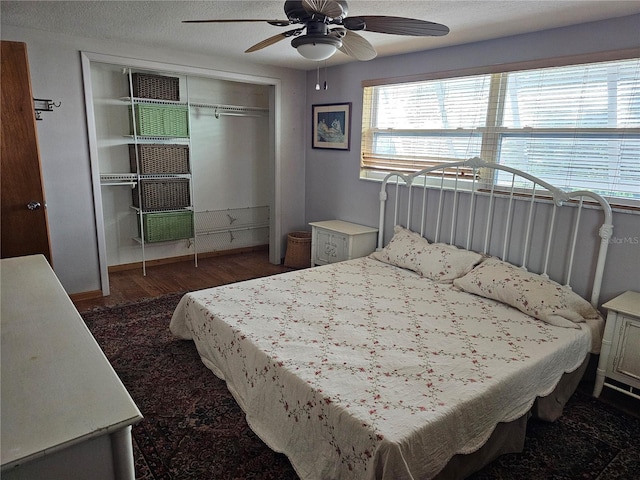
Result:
316,47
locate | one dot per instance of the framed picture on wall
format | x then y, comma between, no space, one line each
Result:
332,126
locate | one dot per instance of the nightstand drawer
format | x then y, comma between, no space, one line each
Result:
335,241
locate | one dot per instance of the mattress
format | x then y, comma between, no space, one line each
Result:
363,370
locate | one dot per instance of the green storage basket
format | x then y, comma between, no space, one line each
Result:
167,226
160,120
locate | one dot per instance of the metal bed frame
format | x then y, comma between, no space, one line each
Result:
432,199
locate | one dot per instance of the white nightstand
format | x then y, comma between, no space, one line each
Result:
620,353
335,241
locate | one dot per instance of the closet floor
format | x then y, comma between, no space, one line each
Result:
130,285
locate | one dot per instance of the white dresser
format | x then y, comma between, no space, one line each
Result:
620,353
335,241
65,413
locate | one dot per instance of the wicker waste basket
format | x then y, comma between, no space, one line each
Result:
298,250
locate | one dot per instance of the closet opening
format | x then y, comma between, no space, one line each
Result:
183,162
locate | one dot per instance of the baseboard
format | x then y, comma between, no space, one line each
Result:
92,295
186,258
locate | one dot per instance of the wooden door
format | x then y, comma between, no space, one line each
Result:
23,214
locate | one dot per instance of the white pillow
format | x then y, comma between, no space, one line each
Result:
530,293
436,261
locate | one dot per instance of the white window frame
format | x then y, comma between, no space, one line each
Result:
491,133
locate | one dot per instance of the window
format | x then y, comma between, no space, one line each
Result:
577,127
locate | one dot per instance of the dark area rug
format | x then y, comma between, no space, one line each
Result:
193,428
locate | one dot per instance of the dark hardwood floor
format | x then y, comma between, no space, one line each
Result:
130,285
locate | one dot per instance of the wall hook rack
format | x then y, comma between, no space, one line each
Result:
43,105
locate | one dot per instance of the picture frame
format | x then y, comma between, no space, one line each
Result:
331,126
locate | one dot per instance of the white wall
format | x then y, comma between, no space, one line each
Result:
230,164
333,187
56,74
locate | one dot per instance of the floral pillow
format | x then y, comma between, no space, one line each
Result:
530,293
435,261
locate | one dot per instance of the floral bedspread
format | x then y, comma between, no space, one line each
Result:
362,370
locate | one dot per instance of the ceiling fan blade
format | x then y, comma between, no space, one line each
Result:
395,25
272,40
357,46
328,8
266,43
275,23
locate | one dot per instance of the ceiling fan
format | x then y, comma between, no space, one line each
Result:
328,28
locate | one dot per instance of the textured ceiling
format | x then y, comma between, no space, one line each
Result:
159,23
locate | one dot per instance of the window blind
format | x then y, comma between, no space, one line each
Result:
416,125
577,127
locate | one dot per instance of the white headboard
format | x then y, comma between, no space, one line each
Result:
460,204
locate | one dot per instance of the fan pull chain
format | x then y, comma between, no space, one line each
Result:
325,74
318,77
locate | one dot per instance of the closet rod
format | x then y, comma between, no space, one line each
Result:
221,109
238,108
233,110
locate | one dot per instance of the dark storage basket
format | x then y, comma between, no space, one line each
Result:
166,226
160,120
162,194
298,253
158,87
160,158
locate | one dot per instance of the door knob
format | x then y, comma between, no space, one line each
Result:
33,205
